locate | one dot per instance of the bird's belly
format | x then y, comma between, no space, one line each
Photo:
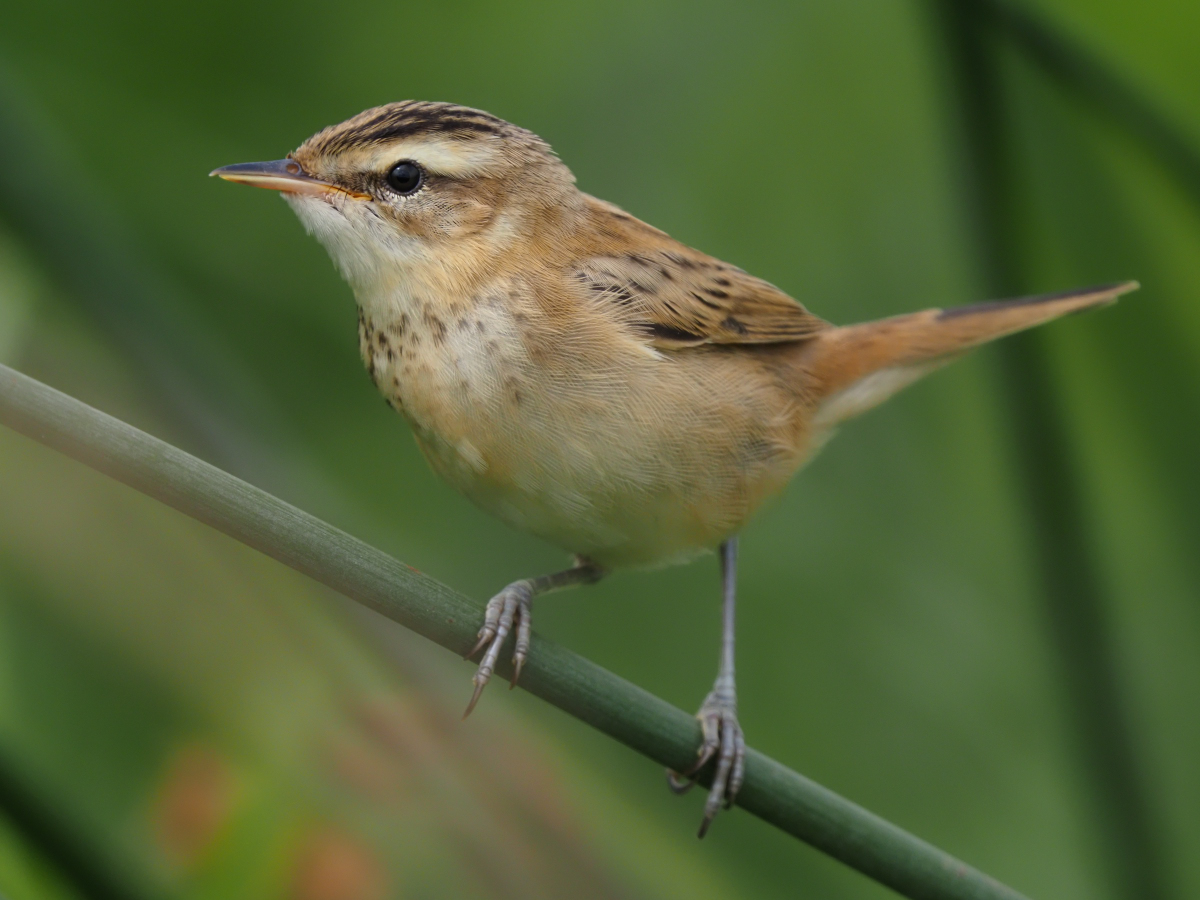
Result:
587,457
591,497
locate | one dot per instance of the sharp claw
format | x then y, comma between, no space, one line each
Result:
518,665
479,686
679,784
704,823
682,782
703,755
484,637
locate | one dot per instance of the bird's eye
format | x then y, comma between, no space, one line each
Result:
405,177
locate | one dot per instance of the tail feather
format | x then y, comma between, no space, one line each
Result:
856,367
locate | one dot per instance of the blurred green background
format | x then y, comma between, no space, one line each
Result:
976,613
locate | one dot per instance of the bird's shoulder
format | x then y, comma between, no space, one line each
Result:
675,295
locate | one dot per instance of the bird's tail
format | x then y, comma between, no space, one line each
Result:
856,367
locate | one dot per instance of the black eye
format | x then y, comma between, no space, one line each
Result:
405,177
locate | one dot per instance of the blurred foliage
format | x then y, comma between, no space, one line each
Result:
197,722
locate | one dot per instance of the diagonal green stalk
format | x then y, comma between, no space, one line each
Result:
1073,586
653,727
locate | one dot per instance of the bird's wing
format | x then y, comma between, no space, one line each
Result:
679,297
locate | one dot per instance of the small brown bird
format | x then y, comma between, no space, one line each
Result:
579,373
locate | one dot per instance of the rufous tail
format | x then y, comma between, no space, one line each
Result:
856,367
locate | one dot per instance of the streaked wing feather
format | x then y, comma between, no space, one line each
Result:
680,297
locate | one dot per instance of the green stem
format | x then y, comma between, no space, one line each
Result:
651,726
1073,587
1092,79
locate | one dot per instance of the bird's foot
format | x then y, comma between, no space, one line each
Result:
509,609
722,739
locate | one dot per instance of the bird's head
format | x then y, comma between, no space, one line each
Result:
410,186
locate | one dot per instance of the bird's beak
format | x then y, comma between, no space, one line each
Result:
281,175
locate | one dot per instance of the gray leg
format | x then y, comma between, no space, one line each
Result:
513,606
722,735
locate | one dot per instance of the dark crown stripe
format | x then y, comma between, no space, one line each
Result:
408,121
443,125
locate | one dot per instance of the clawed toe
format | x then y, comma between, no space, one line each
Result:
508,609
722,740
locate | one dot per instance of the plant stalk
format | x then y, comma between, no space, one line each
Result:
649,725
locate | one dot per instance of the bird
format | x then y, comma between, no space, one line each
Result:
584,376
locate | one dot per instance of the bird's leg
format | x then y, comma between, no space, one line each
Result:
722,735
512,607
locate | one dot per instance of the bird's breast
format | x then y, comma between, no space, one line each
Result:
458,371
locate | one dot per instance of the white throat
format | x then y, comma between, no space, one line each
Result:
372,255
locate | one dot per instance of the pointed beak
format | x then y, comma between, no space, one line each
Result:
281,175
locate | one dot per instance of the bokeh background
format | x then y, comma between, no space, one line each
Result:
976,613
